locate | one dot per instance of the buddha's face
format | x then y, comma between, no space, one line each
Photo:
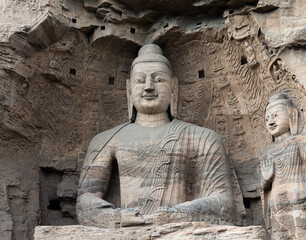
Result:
277,119
151,87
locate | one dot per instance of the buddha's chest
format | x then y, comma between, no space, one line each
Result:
138,145
283,154
141,160
286,164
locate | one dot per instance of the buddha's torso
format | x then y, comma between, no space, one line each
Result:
289,176
167,165
134,140
142,165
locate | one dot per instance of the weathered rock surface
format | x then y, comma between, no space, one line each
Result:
178,231
63,67
285,29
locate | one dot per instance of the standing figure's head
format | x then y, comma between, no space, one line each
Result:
151,88
281,116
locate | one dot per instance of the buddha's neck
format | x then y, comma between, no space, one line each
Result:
282,137
152,120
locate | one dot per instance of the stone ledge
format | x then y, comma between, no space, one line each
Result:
176,231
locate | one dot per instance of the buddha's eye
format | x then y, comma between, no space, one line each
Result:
158,79
275,115
267,119
140,80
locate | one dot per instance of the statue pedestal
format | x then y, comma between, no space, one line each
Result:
176,231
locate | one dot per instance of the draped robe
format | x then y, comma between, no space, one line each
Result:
289,183
184,165
285,197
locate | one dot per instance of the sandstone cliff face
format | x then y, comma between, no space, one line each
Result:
63,66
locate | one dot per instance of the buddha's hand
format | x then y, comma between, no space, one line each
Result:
89,200
267,169
188,207
130,210
92,210
169,215
167,210
131,217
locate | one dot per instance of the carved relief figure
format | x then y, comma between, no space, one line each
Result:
238,129
145,165
217,65
283,170
241,144
211,48
54,65
279,71
216,97
236,113
250,55
223,82
219,111
238,27
221,126
231,96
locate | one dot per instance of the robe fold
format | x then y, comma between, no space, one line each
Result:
185,166
289,183
284,196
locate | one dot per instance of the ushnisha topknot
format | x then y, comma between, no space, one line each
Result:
150,53
150,48
279,98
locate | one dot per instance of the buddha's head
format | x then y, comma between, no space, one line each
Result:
281,116
151,88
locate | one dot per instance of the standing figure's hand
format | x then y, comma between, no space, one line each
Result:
267,169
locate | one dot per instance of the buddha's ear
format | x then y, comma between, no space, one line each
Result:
174,98
293,120
129,100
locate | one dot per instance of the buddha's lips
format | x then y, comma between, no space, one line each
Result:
149,97
273,127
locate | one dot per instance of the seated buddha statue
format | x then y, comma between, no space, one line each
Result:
156,168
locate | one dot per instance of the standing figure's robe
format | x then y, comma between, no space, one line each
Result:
287,189
184,167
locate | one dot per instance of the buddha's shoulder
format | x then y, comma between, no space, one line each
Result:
198,130
301,137
104,137
298,140
301,140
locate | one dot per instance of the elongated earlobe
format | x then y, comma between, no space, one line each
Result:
129,100
174,98
293,120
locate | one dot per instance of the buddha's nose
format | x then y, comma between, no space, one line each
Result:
271,122
149,86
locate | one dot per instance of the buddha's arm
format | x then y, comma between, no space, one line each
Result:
95,176
93,186
302,153
213,172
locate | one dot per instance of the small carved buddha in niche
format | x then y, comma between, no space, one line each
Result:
156,168
283,171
